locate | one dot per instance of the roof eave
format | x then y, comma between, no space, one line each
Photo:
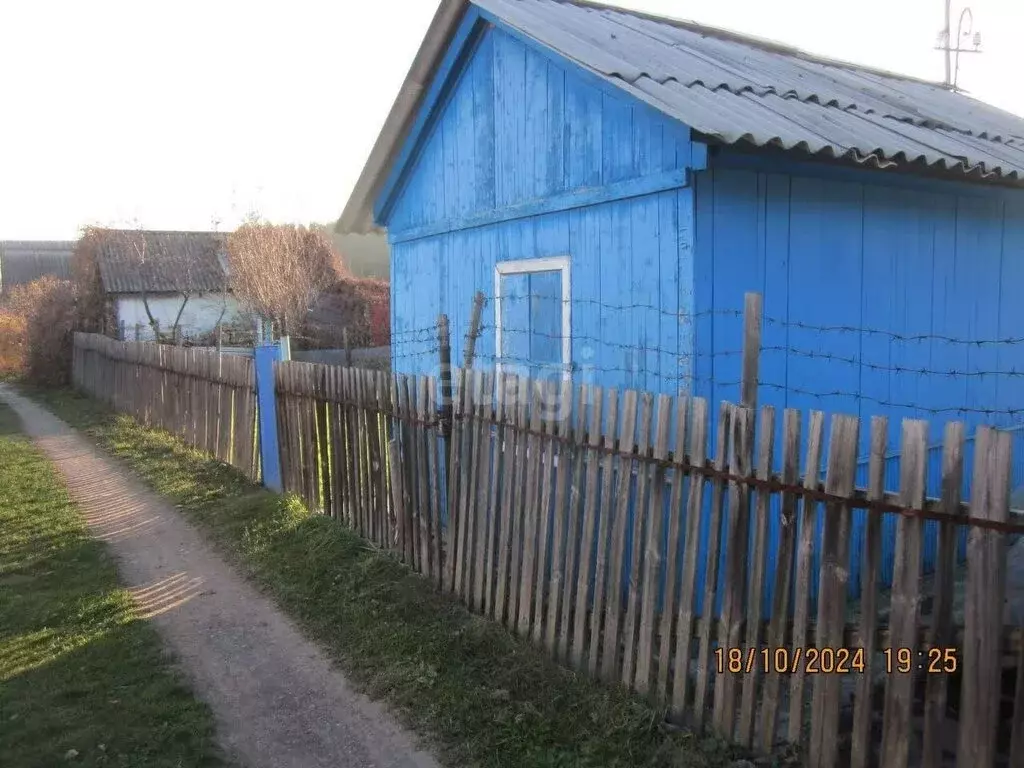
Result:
358,214
876,162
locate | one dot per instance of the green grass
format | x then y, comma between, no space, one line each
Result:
78,669
481,696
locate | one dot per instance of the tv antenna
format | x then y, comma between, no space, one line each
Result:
952,47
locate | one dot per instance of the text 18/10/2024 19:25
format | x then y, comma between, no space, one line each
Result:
833,660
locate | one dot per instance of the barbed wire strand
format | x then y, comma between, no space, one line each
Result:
632,346
691,380
770,320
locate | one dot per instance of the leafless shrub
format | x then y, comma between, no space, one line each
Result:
49,327
22,300
353,310
279,271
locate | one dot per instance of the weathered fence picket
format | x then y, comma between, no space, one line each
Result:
782,577
705,674
860,755
687,590
675,476
983,602
802,590
765,456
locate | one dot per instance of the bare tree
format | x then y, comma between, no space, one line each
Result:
280,270
135,249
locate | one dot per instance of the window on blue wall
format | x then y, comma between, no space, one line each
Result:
532,317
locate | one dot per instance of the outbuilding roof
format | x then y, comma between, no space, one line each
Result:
22,261
733,89
149,261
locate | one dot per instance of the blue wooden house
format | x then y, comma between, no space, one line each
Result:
615,183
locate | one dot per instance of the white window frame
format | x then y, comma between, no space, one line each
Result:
529,266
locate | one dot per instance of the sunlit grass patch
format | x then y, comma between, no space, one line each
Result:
82,680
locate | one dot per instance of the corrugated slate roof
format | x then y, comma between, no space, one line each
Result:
738,89
734,89
138,261
22,261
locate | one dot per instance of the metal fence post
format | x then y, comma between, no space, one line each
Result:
265,356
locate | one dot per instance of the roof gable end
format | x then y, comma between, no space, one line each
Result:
508,124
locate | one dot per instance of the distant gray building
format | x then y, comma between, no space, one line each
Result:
22,261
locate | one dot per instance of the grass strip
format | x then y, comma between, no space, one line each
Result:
479,695
83,680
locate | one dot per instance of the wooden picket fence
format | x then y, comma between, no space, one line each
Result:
627,533
575,524
206,399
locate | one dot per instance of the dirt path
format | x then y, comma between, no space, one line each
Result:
278,701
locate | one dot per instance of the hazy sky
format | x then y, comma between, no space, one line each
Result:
177,114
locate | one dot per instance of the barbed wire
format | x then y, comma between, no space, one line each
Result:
431,352
555,368
422,344
884,402
894,335
429,332
616,307
690,381
632,346
900,336
898,369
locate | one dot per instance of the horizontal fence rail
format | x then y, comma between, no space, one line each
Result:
701,558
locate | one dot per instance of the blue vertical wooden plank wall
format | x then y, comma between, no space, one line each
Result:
1012,279
889,271
853,251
